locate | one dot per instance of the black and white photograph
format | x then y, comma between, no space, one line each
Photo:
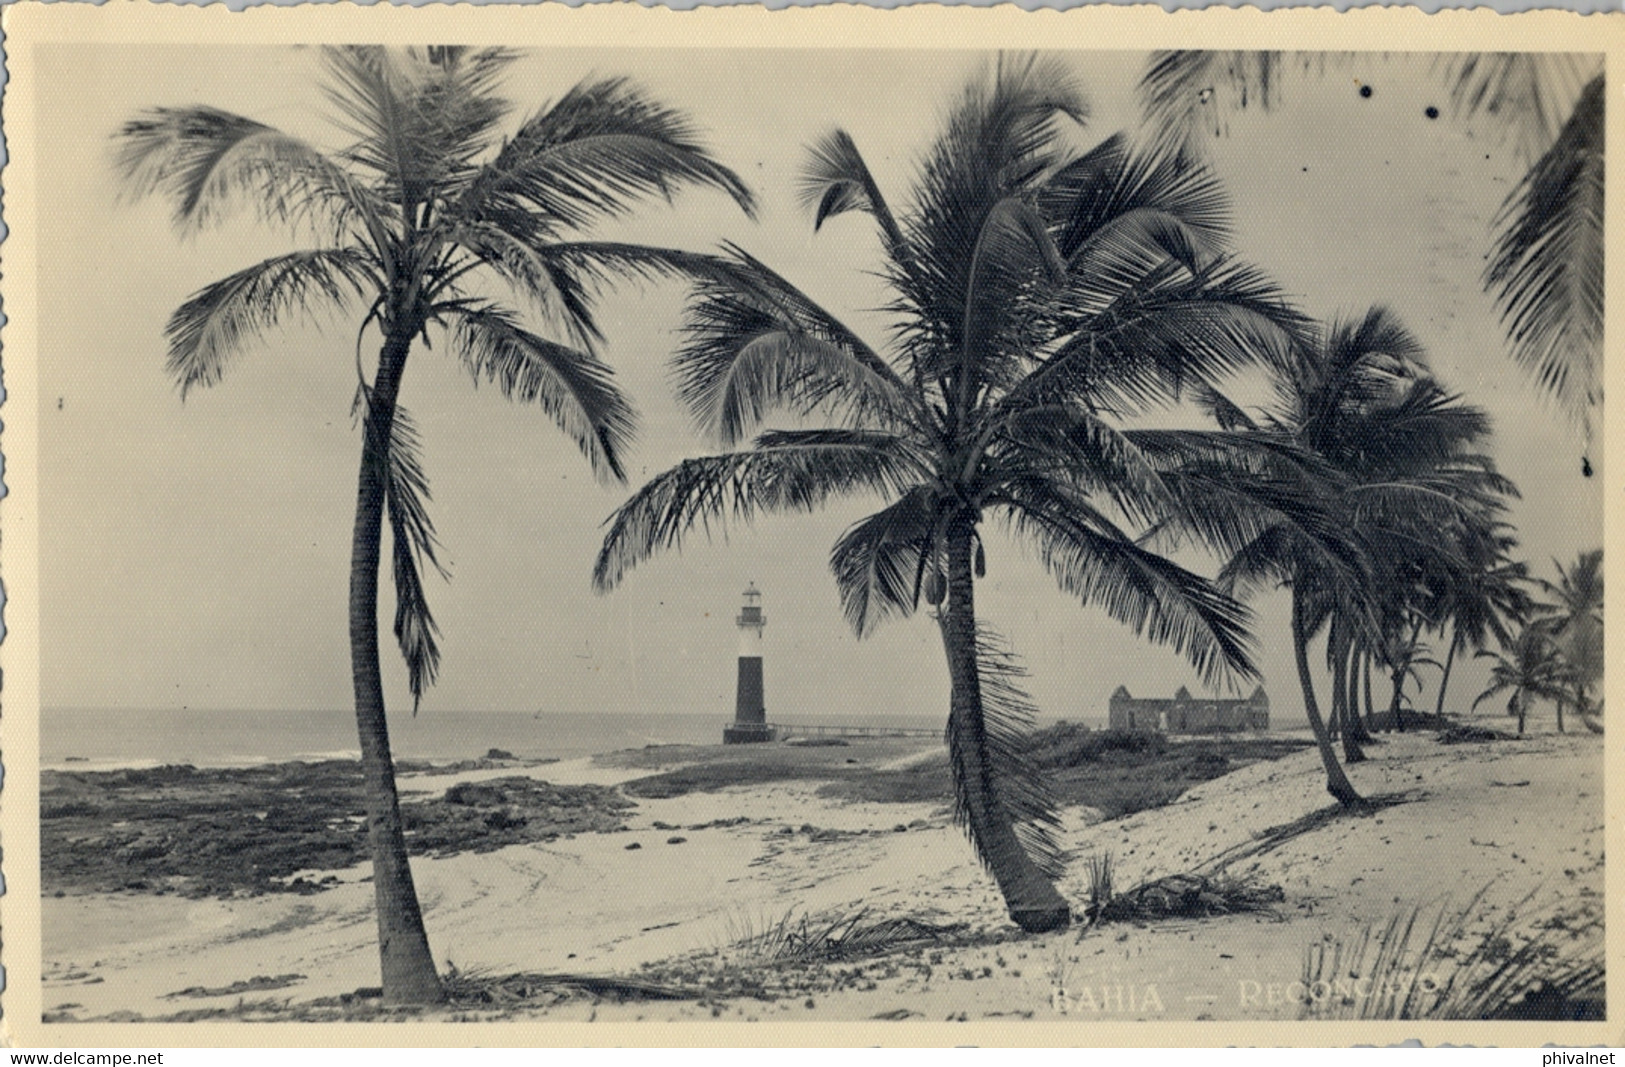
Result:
1024,526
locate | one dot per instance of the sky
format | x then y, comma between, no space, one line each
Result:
195,554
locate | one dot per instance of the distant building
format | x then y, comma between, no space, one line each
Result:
1185,714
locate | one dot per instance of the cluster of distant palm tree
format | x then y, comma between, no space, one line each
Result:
1043,298
1558,654
1417,511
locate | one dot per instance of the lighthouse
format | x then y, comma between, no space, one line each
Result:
750,712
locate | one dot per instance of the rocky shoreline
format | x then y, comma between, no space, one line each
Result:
278,828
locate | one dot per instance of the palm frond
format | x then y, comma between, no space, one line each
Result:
212,325
594,153
1190,97
1267,562
1366,356
418,118
1487,604
1221,409
1004,125
1528,94
836,180
1226,489
1156,598
1128,249
1573,622
604,263
209,163
1015,781
573,387
1422,429
458,96
1186,95
1013,245
1495,689
550,283
1135,345
1114,199
413,543
563,278
1340,375
783,471
999,142
754,343
877,561
1577,595
1012,254
1546,266
1418,524
1074,445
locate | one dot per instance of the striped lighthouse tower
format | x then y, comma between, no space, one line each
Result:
750,711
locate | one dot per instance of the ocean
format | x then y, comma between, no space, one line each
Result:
90,738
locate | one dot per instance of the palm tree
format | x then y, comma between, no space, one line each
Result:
1530,669
1037,294
1546,265
1326,386
1573,621
1428,528
1404,653
424,212
1410,561
1393,444
1482,603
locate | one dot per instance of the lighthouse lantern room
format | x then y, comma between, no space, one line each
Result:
750,710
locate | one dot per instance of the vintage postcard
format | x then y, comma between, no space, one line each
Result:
537,525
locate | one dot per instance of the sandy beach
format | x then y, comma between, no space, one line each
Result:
685,892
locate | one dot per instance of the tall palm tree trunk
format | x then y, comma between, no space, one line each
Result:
1360,726
1029,895
1444,679
408,968
1348,719
1334,716
1365,671
1337,783
1402,667
1395,712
